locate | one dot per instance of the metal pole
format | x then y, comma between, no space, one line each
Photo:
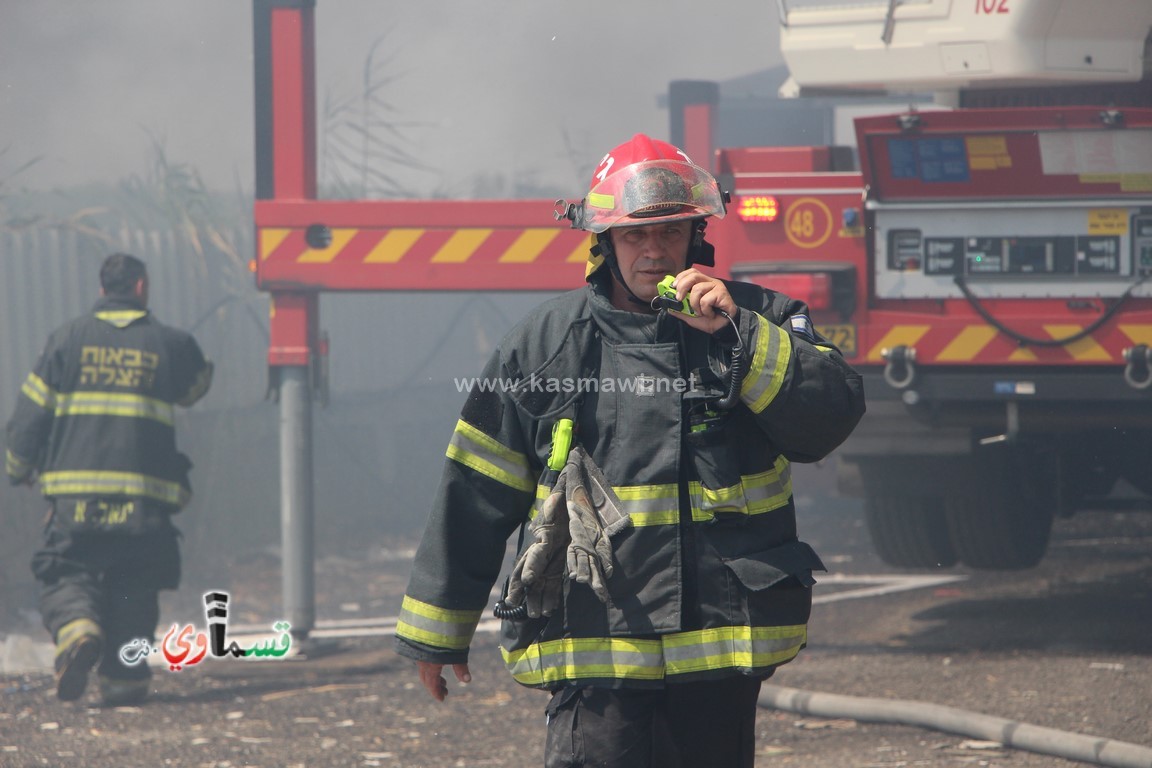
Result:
296,499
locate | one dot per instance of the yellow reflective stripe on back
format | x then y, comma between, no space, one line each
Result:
732,648
575,658
769,366
38,391
439,627
114,404
472,448
121,318
106,483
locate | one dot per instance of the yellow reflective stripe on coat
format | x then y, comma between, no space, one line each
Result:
756,494
542,494
83,482
16,466
732,648
621,658
121,318
575,658
114,404
645,504
36,390
483,453
650,504
769,365
439,627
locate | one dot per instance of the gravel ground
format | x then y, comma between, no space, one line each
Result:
1066,646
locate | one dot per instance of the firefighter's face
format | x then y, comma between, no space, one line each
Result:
646,255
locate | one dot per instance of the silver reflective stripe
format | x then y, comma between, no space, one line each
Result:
756,494
36,390
650,504
103,483
15,466
766,491
769,366
732,648
483,453
439,627
113,404
616,658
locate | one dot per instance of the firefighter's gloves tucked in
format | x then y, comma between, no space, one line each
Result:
538,576
594,516
573,529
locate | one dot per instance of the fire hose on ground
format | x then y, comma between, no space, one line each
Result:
1032,738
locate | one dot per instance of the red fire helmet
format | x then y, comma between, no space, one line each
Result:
648,181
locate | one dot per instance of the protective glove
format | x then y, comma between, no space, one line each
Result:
538,576
594,516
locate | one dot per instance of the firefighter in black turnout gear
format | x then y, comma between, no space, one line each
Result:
659,579
94,425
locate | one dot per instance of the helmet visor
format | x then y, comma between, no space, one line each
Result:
651,192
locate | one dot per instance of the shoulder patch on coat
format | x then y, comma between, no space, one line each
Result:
802,326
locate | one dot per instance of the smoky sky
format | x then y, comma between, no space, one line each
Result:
532,89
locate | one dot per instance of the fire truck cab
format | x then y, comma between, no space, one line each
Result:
985,266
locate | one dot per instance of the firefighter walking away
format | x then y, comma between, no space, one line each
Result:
94,424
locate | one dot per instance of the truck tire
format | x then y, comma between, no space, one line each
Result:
909,531
1005,522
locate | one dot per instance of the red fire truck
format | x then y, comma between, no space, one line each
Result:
984,266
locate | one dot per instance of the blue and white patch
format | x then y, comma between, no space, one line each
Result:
802,326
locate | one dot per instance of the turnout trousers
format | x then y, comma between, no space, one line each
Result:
706,724
113,579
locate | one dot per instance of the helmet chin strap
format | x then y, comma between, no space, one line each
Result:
604,242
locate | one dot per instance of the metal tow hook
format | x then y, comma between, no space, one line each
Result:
1138,371
900,369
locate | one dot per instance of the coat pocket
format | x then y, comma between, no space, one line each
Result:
761,570
776,583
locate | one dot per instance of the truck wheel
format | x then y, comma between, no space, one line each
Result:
1004,525
909,531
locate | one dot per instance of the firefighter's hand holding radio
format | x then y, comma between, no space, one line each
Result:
707,297
645,462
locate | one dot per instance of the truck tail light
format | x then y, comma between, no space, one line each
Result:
823,285
758,208
814,288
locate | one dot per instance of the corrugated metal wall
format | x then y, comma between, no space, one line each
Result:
378,341
379,444
52,275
